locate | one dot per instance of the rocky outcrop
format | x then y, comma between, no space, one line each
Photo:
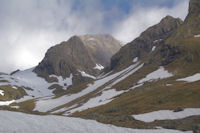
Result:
78,53
196,129
194,7
191,25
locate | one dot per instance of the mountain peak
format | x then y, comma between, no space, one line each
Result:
95,37
169,19
78,53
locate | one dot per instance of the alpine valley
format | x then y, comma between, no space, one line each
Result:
150,85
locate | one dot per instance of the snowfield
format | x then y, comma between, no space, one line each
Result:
29,79
167,115
14,122
193,78
161,73
44,105
49,103
104,98
107,95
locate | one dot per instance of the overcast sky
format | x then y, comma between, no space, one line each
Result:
29,27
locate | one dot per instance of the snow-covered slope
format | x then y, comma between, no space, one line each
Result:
48,104
13,122
34,85
105,97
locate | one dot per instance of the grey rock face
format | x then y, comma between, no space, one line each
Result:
78,53
196,129
194,7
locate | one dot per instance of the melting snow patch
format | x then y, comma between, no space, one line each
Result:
99,67
104,98
153,48
25,123
193,78
2,92
29,79
86,75
15,107
157,40
135,59
161,73
197,36
14,87
169,84
167,115
63,82
91,39
6,103
136,86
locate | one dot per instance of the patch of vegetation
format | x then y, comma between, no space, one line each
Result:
11,93
57,89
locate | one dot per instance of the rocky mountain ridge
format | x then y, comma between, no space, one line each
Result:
144,44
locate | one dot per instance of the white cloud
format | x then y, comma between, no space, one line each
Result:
141,18
29,28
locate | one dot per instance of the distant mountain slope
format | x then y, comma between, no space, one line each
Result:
66,68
